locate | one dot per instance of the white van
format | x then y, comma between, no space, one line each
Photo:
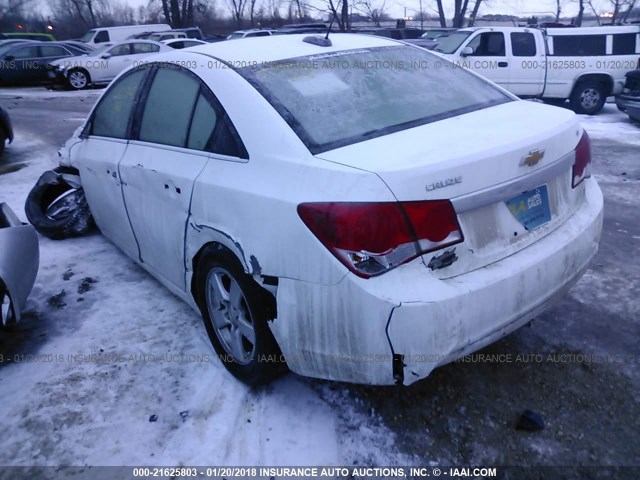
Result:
117,34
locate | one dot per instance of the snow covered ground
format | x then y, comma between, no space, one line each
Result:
108,368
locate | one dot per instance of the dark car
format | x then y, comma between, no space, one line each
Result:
26,62
6,131
629,100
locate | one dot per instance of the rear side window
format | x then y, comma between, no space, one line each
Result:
102,36
111,116
145,48
25,52
580,45
53,51
167,112
523,44
624,44
203,125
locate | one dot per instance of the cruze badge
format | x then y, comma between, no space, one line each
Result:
446,182
533,158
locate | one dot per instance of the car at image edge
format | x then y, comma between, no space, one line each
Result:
344,221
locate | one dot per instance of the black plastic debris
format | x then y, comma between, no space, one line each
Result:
184,415
153,418
530,421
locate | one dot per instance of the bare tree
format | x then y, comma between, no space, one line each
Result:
178,13
460,8
595,12
371,9
237,8
474,13
558,10
578,21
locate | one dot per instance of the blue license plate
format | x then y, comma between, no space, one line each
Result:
531,208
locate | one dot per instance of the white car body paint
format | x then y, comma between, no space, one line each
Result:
331,323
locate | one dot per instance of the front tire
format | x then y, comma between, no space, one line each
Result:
588,97
7,312
235,311
78,79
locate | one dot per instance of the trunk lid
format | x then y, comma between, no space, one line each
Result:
480,161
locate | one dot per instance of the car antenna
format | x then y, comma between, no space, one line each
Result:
319,41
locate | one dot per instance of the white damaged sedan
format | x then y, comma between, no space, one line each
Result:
358,209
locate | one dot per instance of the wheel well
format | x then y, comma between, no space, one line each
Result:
596,77
270,301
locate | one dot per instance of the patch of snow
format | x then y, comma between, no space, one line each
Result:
611,124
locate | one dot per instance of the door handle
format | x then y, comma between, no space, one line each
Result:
503,64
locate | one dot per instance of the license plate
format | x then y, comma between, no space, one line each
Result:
531,208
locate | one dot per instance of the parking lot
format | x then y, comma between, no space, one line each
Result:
109,368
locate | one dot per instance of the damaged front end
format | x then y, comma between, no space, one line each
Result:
19,261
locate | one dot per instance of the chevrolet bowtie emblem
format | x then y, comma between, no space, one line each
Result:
532,159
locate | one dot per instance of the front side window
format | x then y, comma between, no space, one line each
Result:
366,93
111,116
488,44
102,36
167,112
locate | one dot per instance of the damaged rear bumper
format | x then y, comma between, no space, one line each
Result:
353,331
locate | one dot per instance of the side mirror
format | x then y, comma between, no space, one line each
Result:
105,55
9,58
466,51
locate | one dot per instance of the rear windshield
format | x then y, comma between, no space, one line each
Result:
336,99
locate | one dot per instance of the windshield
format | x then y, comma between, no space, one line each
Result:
87,37
337,99
451,43
235,35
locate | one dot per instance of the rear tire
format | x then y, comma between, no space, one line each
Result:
235,311
588,97
57,209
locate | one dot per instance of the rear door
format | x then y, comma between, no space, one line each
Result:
527,67
105,143
178,127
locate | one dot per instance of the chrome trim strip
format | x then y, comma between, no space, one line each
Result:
511,188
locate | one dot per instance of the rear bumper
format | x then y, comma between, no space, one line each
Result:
350,331
629,105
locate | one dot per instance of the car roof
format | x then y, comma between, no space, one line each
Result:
280,47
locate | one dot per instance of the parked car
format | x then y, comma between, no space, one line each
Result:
191,32
395,33
42,37
327,234
250,33
583,65
11,41
6,130
629,100
183,42
159,37
103,64
19,261
26,62
117,34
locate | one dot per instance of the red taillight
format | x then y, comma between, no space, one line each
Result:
582,165
372,238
